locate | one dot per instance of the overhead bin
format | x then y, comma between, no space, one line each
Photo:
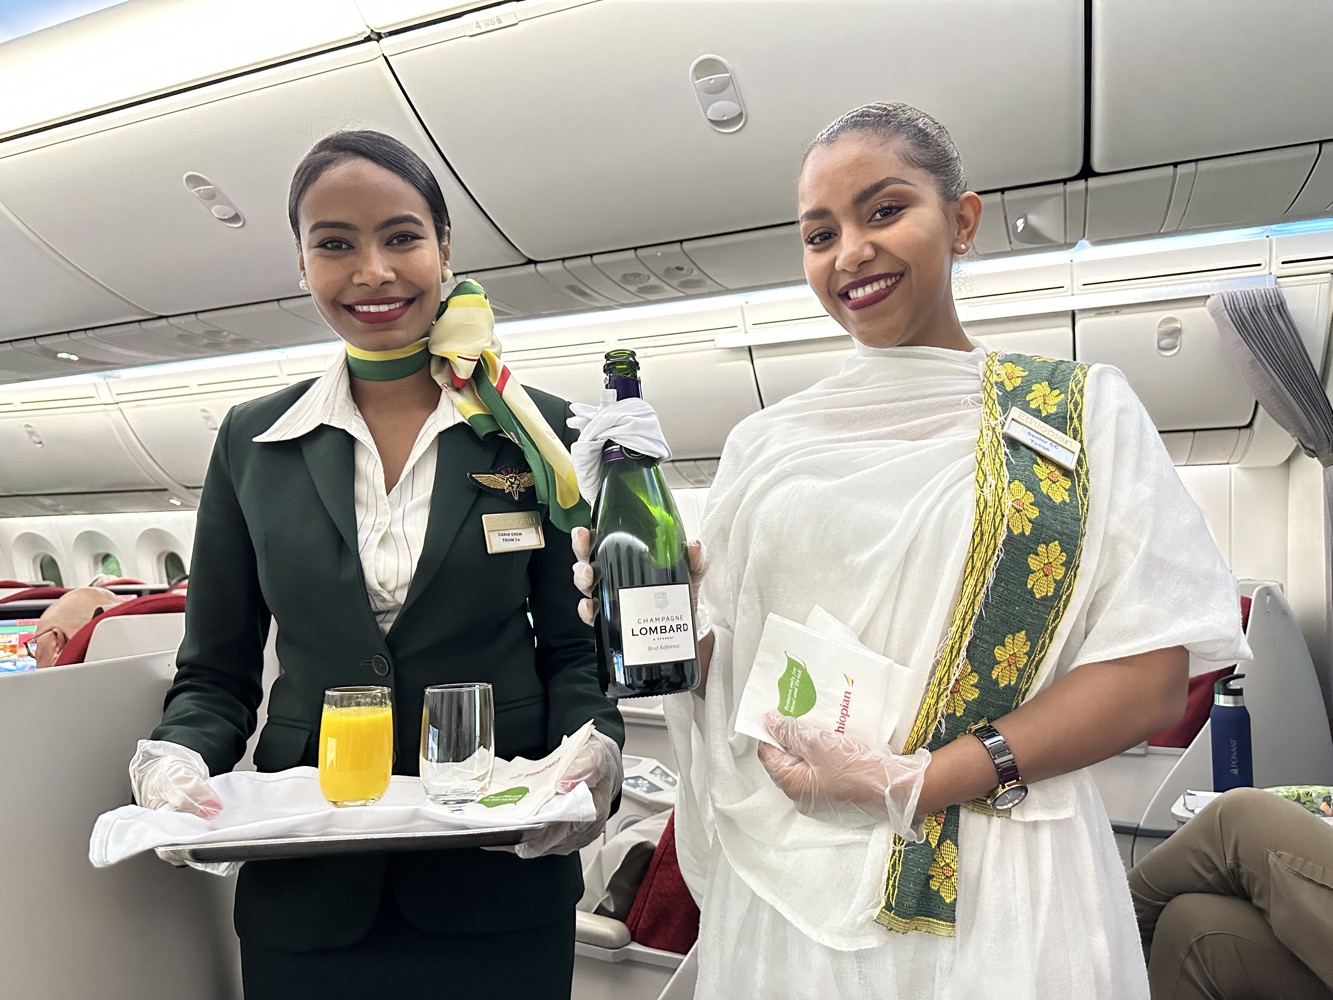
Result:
575,145
1173,356
44,293
96,503
133,51
60,438
1199,78
175,414
110,194
1108,270
1050,335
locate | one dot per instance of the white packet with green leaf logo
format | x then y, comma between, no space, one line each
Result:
820,674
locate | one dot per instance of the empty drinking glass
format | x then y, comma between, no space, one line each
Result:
457,742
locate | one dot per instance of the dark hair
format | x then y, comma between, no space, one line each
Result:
380,149
926,144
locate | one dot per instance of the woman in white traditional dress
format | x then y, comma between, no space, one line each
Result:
861,495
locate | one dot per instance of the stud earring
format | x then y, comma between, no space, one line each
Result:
446,276
962,248
303,286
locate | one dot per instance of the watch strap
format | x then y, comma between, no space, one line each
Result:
1006,767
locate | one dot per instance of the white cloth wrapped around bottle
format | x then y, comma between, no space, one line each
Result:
630,423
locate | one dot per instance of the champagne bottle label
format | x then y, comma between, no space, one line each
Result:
656,625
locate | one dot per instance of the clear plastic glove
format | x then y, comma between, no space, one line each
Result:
169,776
832,776
597,764
585,578
631,423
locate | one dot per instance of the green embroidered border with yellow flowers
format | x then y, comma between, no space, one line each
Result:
1017,582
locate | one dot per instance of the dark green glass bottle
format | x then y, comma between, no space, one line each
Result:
646,629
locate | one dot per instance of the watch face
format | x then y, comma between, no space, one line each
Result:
1010,797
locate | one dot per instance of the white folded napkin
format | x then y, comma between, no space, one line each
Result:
821,674
289,804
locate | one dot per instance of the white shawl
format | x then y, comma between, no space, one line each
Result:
857,494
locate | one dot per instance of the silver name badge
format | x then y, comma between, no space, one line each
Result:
1041,437
515,532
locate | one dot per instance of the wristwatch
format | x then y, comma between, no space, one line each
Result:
1011,790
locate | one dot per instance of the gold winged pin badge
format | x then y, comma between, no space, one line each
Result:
513,482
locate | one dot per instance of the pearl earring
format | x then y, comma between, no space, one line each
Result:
303,286
962,248
446,276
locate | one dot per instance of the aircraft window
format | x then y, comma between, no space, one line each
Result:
48,569
173,566
107,565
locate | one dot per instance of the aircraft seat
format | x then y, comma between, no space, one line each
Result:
1288,733
140,930
34,594
171,606
16,585
1199,701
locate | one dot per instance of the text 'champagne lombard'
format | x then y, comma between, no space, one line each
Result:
646,627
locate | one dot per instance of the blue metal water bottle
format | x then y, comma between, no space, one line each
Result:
1233,766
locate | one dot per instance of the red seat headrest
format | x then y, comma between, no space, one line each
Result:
154,604
35,594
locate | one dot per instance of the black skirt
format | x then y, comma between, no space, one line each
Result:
398,960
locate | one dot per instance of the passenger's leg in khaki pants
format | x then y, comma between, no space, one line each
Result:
1239,902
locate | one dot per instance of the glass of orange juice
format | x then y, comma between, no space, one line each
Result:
355,745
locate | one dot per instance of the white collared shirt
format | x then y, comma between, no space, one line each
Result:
390,527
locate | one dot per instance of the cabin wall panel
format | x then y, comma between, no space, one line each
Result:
130,538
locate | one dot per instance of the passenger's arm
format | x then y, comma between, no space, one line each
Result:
1092,713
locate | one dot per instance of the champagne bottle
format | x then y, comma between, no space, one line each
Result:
646,627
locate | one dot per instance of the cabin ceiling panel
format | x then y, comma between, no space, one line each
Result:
583,144
394,15
1249,189
44,293
114,199
1198,78
95,503
133,51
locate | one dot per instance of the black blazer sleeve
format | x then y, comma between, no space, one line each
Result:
567,657
212,703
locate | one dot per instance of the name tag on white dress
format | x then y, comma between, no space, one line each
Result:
1041,437
515,532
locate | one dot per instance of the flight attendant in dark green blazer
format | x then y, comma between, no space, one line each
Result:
351,511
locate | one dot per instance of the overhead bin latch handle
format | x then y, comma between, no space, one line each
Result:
1169,330
211,197
719,96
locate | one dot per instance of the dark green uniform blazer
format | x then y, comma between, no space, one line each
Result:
276,537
